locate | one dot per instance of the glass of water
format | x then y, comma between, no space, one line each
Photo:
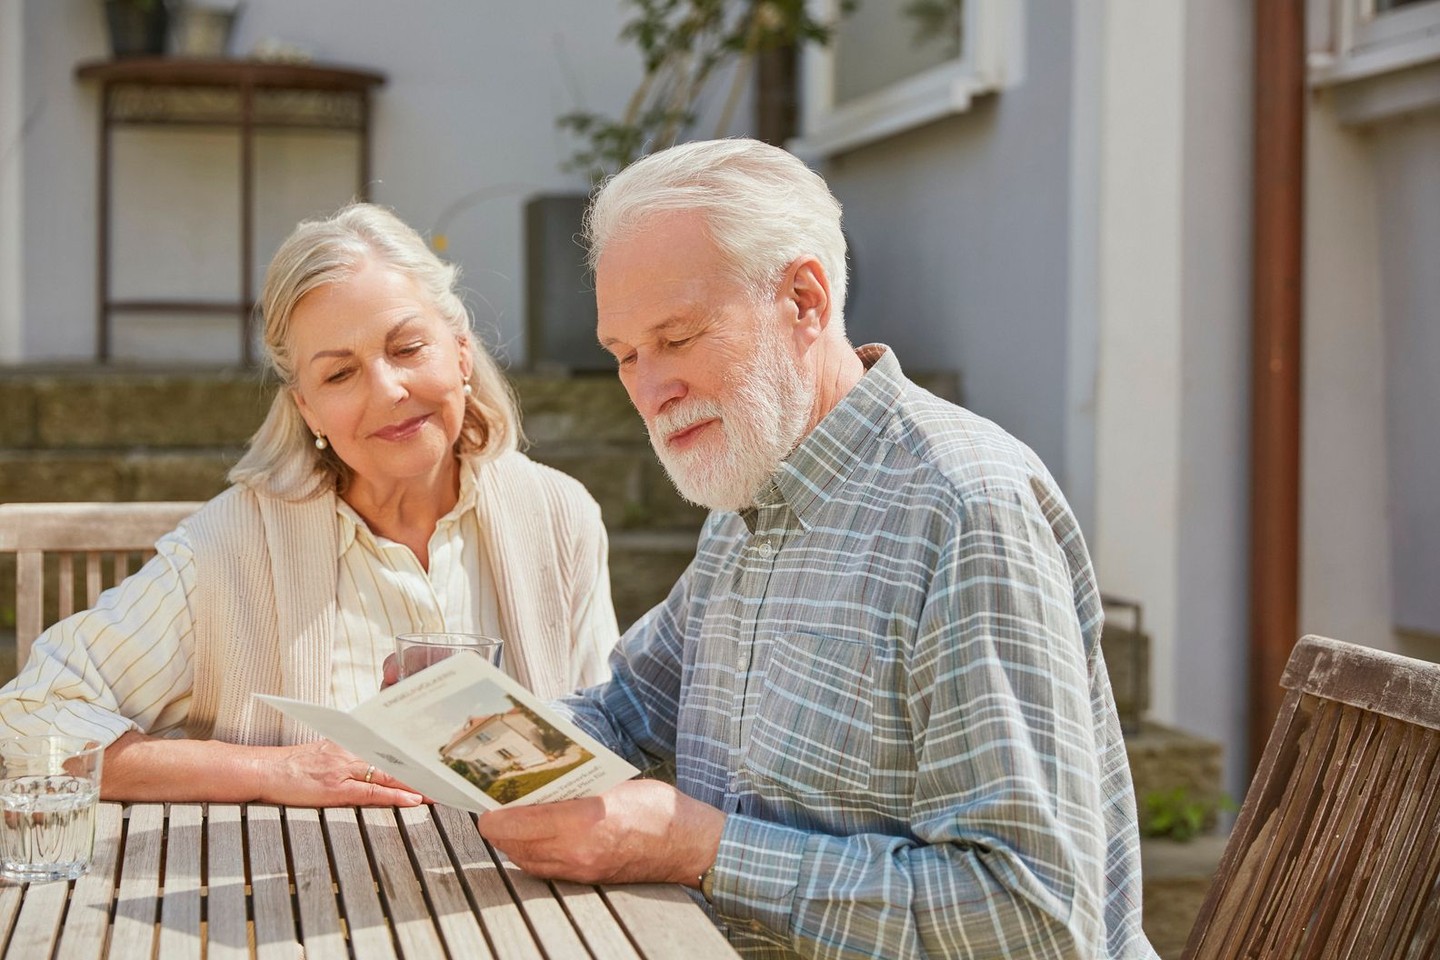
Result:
416,651
49,786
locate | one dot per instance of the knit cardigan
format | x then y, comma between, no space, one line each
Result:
266,576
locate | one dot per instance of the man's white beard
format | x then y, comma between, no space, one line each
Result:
760,424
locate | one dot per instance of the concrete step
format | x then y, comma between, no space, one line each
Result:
1177,877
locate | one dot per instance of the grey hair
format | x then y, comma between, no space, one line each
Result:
763,207
282,460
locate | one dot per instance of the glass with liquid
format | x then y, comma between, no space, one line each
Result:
49,786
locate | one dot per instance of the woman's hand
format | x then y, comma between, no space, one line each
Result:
321,774
324,774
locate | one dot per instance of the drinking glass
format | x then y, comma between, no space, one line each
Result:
416,651
49,786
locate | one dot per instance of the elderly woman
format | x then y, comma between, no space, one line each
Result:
382,495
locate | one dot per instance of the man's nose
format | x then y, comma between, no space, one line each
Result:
653,384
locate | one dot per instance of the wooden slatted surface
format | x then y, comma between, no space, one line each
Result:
1336,853
106,541
258,881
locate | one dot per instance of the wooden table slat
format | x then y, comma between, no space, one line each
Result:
180,934
227,929
504,924
87,923
449,905
38,926
404,899
223,881
137,904
660,918
270,906
592,917
12,895
364,917
557,935
314,886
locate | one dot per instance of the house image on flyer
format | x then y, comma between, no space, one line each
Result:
498,742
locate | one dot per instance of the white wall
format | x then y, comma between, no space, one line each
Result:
1136,540
468,110
1211,640
12,193
1345,561
1172,404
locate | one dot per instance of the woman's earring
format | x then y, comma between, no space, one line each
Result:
468,390
320,442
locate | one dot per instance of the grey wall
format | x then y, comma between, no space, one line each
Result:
958,232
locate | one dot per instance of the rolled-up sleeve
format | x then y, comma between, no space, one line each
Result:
124,664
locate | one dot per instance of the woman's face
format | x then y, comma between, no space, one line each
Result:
380,375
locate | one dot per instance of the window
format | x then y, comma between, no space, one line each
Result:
893,66
1371,37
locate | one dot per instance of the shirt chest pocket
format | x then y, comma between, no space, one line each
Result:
814,727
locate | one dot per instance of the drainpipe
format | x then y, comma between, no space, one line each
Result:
1278,210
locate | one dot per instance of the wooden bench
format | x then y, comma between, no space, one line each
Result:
1336,852
108,541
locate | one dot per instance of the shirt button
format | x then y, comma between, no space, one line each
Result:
766,549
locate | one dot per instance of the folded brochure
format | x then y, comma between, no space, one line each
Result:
465,734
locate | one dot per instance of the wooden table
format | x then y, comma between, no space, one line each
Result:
221,881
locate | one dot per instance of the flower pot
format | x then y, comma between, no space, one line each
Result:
137,27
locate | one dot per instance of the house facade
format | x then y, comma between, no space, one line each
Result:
1058,208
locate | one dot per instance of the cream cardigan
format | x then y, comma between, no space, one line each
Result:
266,578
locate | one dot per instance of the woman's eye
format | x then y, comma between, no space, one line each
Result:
409,350
337,376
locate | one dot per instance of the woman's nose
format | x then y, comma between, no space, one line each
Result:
391,382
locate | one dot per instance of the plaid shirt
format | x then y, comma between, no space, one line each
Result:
888,674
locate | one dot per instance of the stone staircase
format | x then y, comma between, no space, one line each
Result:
116,434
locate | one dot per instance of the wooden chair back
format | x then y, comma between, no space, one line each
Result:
108,541
1336,852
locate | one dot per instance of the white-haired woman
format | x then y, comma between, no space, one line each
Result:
383,494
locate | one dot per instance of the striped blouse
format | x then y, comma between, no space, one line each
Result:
128,662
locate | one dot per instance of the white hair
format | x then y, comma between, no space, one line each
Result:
763,207
282,460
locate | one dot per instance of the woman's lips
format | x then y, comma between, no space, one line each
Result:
403,430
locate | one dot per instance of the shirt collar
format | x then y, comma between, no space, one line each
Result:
352,524
809,477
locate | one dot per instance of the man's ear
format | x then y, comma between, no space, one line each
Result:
808,292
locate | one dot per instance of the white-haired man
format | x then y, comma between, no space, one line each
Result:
880,679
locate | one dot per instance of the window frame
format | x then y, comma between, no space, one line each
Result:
990,60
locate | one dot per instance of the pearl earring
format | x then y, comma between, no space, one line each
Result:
468,390
320,442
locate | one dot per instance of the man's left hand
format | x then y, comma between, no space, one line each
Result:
642,831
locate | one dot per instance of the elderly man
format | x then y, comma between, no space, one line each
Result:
880,679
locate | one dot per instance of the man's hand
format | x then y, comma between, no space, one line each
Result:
642,831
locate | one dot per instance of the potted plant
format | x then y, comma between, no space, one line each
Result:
687,46
138,28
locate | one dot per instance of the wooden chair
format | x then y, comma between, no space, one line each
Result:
1336,852
112,539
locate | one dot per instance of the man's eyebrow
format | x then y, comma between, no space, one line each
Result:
663,327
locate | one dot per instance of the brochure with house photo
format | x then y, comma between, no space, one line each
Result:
464,734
